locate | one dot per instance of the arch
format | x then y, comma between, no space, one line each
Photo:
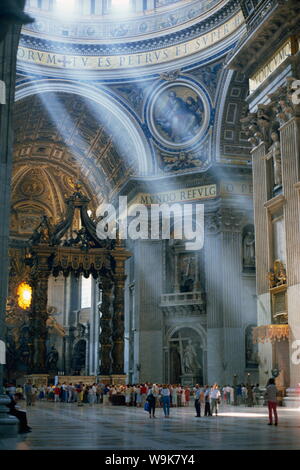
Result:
105,98
180,357
197,328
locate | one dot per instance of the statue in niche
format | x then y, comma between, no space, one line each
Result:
52,359
180,119
190,360
187,274
275,154
249,249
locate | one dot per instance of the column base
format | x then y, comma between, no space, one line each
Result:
8,424
118,379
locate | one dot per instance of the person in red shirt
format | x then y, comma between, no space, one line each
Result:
187,392
144,391
56,393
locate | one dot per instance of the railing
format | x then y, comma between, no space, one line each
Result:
182,298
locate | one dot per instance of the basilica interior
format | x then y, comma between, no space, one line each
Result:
151,102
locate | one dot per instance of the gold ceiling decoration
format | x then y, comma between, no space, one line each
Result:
272,333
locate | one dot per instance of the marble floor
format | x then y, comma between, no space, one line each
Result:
61,426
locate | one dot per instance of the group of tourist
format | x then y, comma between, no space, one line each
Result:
129,395
149,396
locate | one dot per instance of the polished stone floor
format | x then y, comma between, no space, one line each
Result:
60,426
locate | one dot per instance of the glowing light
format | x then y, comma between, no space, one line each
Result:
120,6
65,6
244,415
24,293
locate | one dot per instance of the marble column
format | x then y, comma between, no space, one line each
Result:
72,305
8,50
118,319
148,275
226,315
106,286
215,349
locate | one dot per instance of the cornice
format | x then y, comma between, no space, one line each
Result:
130,47
272,24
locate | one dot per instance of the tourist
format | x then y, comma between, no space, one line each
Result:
143,394
228,394
56,393
41,394
151,400
70,393
256,394
28,393
244,394
183,402
173,396
215,396
128,393
197,395
165,394
207,411
21,415
19,393
187,393
138,396
34,392
271,399
239,394
231,395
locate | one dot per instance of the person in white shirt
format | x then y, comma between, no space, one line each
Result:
215,395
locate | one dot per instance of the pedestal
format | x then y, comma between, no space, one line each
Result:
188,379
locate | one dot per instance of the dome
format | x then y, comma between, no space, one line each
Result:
96,36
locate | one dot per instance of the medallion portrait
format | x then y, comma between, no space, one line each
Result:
178,115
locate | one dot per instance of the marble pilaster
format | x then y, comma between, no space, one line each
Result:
148,287
290,145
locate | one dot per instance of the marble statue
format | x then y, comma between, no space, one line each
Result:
190,360
52,359
249,249
275,154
